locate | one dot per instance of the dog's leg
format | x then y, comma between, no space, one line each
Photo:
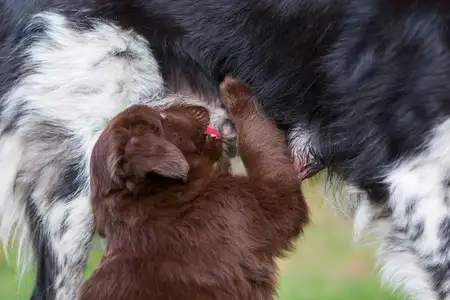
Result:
47,204
71,234
61,238
53,183
414,225
13,217
77,78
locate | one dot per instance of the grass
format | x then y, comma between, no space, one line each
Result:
326,266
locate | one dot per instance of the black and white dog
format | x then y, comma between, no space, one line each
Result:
361,86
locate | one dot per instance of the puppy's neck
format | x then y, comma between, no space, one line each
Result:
160,200
201,172
199,166
154,213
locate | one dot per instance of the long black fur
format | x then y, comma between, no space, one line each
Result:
369,78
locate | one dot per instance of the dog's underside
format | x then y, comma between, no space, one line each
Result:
360,87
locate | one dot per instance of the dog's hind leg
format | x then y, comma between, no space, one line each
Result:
44,200
76,79
414,223
61,239
53,183
13,218
68,229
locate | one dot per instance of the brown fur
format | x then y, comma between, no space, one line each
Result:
176,226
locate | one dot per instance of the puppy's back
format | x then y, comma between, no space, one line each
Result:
128,279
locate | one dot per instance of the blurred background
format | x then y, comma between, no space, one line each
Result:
327,265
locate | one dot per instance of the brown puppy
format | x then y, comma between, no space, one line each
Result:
177,227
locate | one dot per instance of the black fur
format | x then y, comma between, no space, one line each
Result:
369,78
371,75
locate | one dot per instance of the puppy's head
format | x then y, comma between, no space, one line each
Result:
218,115
143,142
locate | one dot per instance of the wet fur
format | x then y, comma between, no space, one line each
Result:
178,228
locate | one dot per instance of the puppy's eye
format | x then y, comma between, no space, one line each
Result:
176,137
154,128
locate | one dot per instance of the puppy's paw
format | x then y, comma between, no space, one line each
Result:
237,97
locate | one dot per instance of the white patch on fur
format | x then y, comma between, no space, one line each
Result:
401,270
420,180
79,224
300,138
409,227
398,268
418,191
80,79
302,141
13,225
78,82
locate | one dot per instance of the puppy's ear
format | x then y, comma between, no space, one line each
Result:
118,161
150,153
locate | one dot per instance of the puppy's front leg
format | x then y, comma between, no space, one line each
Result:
261,145
272,176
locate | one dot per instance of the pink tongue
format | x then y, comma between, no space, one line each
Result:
210,130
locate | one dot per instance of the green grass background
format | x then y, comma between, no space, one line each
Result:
326,266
